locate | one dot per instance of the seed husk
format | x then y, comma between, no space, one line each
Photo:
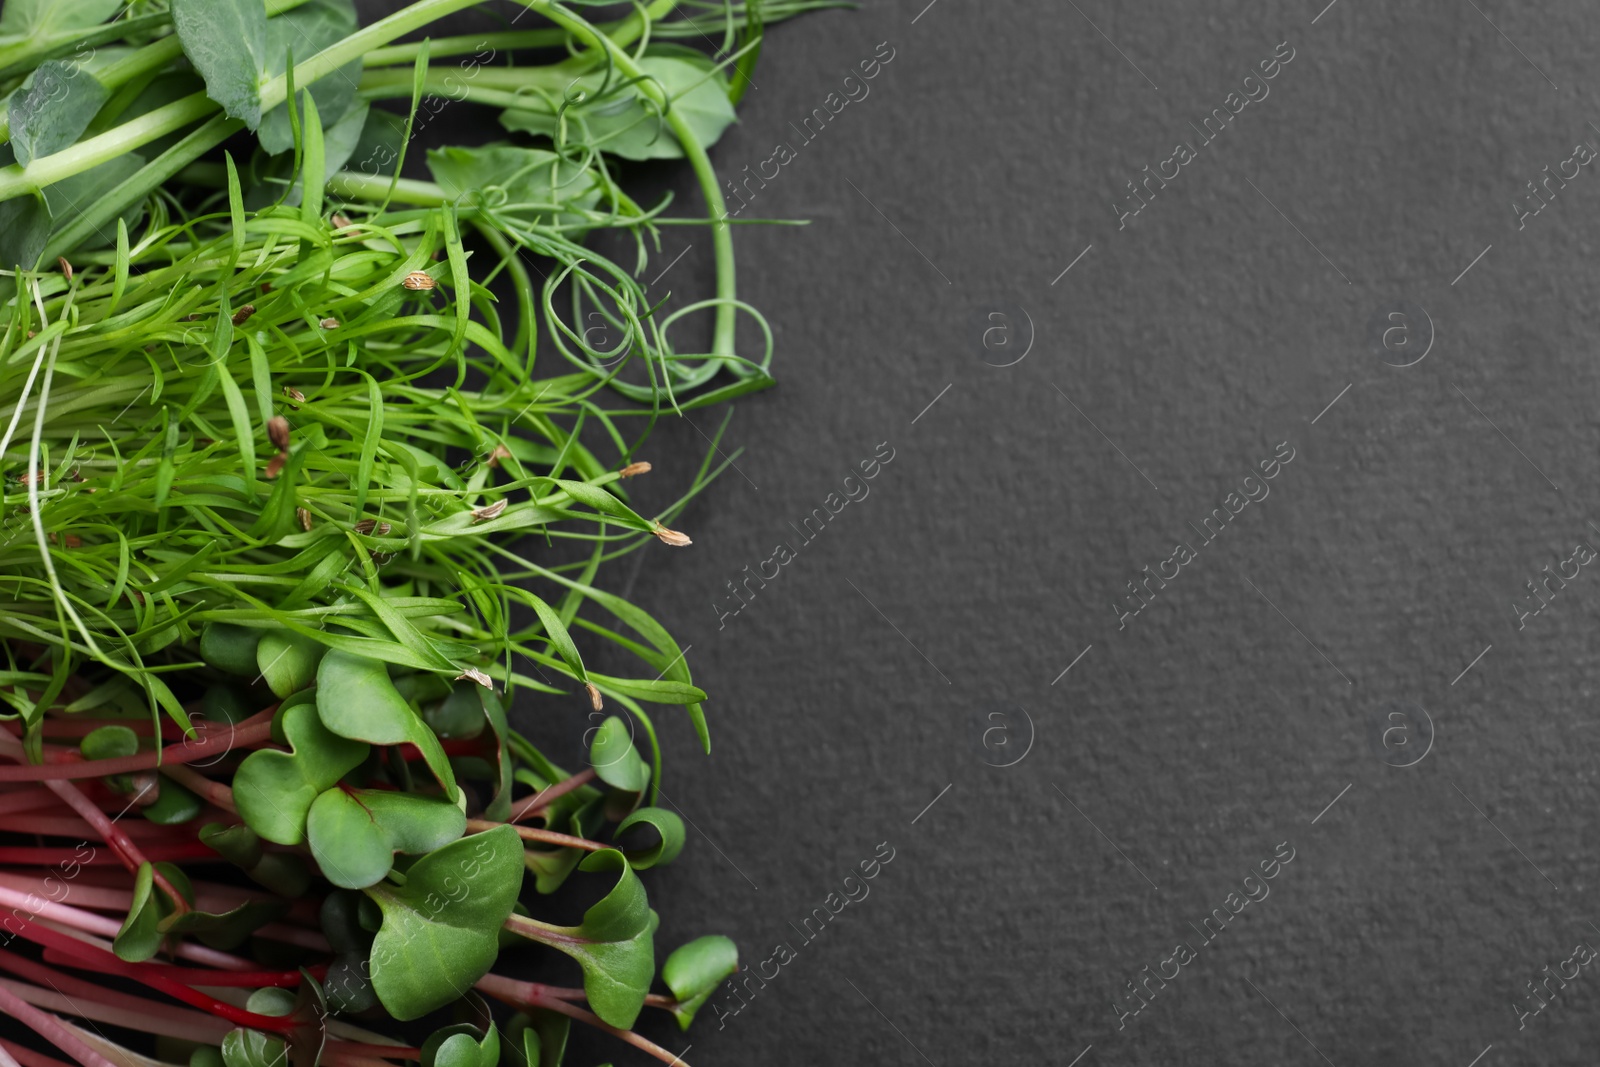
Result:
473,674
489,511
278,432
671,537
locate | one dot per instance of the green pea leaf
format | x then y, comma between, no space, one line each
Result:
518,175
695,970
227,43
667,824
40,18
305,31
615,760
274,790
53,106
230,648
440,929
613,945
355,833
622,122
356,699
288,661
462,1045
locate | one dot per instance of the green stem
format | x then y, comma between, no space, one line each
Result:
16,180
722,343
152,57
623,32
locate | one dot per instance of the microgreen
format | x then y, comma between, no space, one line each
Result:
294,503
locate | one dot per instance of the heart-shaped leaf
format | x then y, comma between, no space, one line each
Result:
440,928
356,699
694,971
274,790
354,833
613,945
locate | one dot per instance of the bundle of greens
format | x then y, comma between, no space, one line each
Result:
272,456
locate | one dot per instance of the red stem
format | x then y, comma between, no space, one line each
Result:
355,1048
130,1008
251,732
49,857
101,960
117,838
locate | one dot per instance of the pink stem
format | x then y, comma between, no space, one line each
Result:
528,833
202,787
146,1017
51,1029
538,1000
27,1057
116,837
543,797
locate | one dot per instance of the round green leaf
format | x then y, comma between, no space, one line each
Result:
230,648
109,742
288,661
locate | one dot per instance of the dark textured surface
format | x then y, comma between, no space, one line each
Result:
1228,714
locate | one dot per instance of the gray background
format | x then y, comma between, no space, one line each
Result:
1226,717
